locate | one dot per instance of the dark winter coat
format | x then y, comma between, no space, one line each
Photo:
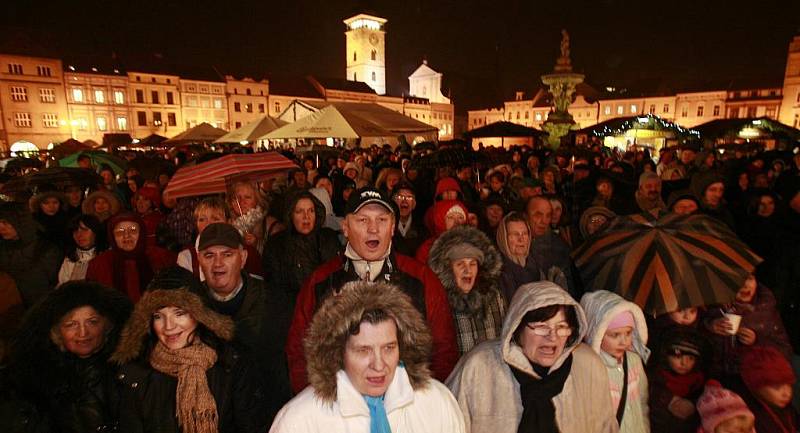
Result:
31,261
148,396
513,275
290,257
262,322
45,389
477,315
414,278
551,253
415,236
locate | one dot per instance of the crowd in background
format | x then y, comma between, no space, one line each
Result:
94,300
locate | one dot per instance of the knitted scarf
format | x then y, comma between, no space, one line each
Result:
538,411
195,406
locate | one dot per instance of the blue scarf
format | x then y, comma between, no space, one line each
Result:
378,422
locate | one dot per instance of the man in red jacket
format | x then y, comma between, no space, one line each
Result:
368,227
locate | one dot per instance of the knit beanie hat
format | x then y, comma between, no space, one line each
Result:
765,366
621,320
465,250
718,404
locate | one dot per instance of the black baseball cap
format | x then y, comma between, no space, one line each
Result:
365,196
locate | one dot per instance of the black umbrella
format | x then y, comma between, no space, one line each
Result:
14,165
60,177
449,157
150,166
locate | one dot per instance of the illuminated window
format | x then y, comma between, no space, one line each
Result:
15,68
102,123
47,95
22,120
77,95
122,123
50,120
634,109
83,124
716,111
19,94
218,103
620,109
204,103
99,97
539,116
700,110
119,97
607,110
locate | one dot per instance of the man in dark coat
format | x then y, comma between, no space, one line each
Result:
260,313
31,261
368,227
293,254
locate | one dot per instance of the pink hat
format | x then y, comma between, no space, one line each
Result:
718,404
622,320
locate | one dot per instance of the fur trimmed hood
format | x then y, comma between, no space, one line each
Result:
327,335
488,268
136,333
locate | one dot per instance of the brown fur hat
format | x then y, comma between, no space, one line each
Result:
327,336
134,336
114,205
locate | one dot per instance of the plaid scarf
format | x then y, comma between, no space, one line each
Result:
475,327
195,405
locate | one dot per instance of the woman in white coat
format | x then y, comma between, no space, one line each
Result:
367,351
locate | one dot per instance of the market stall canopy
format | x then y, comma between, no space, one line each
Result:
152,140
202,133
68,147
504,129
353,120
739,130
252,131
113,140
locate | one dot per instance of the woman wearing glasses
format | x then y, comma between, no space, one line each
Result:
538,376
130,263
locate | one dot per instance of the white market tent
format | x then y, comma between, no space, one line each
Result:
251,132
368,123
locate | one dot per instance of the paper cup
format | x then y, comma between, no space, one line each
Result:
735,320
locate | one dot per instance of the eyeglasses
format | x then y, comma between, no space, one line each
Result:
402,197
129,230
545,331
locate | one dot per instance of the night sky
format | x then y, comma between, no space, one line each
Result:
487,49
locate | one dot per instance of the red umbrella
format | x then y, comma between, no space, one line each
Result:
214,176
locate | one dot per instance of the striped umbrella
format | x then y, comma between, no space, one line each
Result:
214,176
666,263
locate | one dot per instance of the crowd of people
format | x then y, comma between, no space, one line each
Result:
369,291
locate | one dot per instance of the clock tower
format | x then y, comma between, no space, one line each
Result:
366,54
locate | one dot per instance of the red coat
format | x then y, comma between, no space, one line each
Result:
413,277
101,268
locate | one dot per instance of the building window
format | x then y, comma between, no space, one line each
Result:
716,111
355,77
44,71
19,94
538,117
607,110
218,103
169,80
277,107
751,111
733,113
700,110
152,79
191,101
22,120
141,118
154,97
634,109
47,95
83,124
237,107
261,108
798,97
248,92
527,114
77,95
15,69
373,55
373,76
771,111
204,103
620,109
652,109
138,78
119,97
172,119
355,57
248,107
170,98
157,118
140,96
203,89
684,112
50,120
122,123
238,125
102,124
666,108
518,115
99,96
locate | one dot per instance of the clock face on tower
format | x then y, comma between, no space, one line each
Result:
373,39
